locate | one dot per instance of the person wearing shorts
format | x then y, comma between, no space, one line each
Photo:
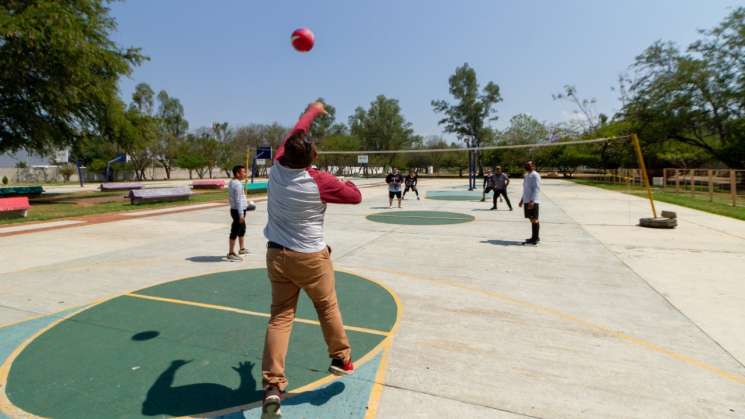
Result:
394,181
410,182
531,200
238,208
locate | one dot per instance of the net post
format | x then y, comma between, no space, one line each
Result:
643,169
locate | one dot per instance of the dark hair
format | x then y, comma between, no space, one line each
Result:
237,169
299,153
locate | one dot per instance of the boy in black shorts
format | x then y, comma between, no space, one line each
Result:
410,181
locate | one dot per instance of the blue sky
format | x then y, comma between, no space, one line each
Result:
231,60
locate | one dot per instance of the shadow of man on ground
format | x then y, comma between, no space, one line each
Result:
316,397
203,259
503,242
164,399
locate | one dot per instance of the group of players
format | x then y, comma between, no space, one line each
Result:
394,181
495,182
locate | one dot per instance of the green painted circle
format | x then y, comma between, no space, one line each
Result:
455,195
133,357
420,217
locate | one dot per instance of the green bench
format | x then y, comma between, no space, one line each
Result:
31,191
256,186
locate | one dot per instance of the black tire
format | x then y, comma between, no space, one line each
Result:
659,222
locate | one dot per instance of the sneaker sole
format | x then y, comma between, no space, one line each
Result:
339,371
271,410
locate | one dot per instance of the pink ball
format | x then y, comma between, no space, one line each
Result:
302,39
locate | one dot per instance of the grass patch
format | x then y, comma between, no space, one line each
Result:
80,204
721,204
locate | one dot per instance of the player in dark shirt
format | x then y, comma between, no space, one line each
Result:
410,181
394,181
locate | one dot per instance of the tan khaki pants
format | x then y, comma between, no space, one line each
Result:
289,272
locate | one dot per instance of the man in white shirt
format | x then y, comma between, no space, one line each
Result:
531,200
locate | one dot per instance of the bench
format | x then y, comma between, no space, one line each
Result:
14,207
256,187
208,184
32,191
119,186
138,196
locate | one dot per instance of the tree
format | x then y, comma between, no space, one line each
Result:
190,156
173,128
523,129
60,72
468,116
339,143
209,147
66,171
585,107
143,99
322,126
696,97
228,152
142,131
382,127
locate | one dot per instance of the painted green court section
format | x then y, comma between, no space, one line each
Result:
133,357
420,217
455,195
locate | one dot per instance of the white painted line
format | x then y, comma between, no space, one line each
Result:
173,209
39,226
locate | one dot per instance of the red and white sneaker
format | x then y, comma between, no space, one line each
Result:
341,367
270,407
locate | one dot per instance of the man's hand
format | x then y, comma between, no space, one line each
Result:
530,205
520,204
319,106
242,220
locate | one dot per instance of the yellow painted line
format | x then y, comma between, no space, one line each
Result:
249,312
379,381
378,384
688,360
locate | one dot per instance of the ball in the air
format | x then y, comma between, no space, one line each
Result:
302,39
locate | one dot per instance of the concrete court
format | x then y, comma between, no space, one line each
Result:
603,319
